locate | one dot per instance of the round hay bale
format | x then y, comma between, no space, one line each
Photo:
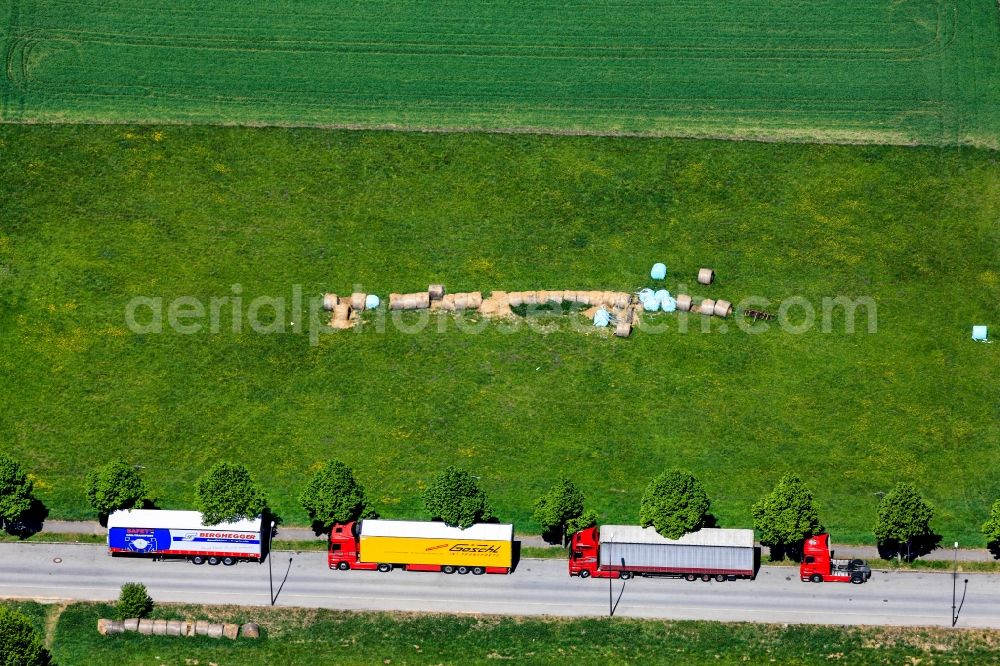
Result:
201,628
106,627
435,292
330,301
187,628
358,301
706,276
554,297
215,630
622,299
623,329
174,627
515,298
146,627
395,301
421,300
583,298
131,624
461,301
372,301
627,315
723,308
596,297
475,299
489,307
569,296
250,630
499,296
231,631
529,297
683,302
447,303
707,307
159,627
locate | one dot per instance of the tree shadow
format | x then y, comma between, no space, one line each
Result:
710,520
908,552
994,548
553,536
785,551
28,523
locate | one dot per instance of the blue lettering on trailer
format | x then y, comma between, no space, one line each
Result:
139,539
198,539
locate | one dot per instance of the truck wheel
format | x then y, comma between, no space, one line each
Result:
198,559
706,577
213,560
448,569
584,573
815,578
857,580
478,571
229,561
721,578
463,570
343,566
625,575
385,568
690,577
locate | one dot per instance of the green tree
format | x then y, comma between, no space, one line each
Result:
115,486
903,519
991,530
586,519
134,601
20,643
227,493
674,503
455,497
553,510
786,517
16,493
334,496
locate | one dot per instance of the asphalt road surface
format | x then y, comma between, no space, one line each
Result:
538,587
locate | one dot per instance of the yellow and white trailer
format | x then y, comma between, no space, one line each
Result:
422,546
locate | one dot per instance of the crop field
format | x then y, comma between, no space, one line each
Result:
94,216
882,71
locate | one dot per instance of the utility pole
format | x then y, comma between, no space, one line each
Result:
954,585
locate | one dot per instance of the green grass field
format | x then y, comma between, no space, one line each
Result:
305,636
94,216
886,71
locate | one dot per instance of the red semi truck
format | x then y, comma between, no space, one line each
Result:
421,546
623,551
818,565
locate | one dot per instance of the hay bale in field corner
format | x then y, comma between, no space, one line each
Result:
250,630
330,301
435,292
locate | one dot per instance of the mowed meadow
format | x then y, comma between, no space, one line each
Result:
880,71
94,216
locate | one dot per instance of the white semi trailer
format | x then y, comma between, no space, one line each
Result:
181,534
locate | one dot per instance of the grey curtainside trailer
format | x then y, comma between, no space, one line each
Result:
708,552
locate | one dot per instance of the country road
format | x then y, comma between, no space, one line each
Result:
538,587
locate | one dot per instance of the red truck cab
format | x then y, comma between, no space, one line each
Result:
343,550
583,556
818,565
